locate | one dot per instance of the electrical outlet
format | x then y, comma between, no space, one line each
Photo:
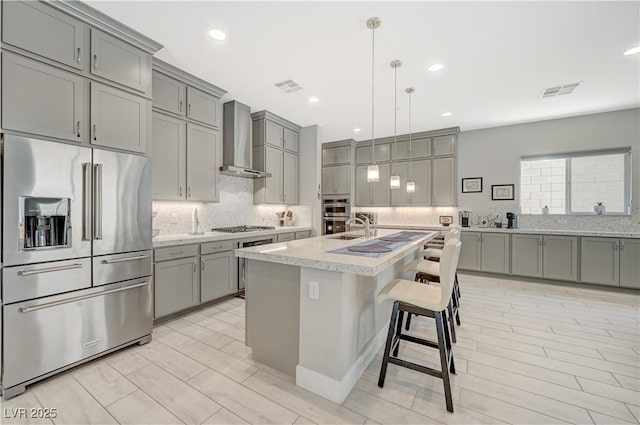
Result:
174,218
314,290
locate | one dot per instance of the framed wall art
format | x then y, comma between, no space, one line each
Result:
502,192
472,185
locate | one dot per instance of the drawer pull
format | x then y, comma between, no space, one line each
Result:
122,260
80,298
49,270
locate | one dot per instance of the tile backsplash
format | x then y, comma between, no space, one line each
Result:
235,208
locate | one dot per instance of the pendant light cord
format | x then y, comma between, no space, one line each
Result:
410,144
395,120
373,92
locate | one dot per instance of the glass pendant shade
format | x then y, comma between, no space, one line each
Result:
394,182
411,186
373,173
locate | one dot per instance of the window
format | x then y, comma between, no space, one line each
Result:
574,183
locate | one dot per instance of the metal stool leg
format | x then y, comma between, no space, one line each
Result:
387,348
396,339
447,337
440,324
452,322
408,324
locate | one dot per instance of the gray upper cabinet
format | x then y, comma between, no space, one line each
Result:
217,275
291,140
471,251
176,285
168,158
382,153
600,261
495,253
273,134
120,62
290,177
336,180
337,155
204,153
526,255
363,191
560,257
168,94
421,174
119,119
400,197
41,99
420,148
630,263
443,182
268,190
372,194
204,107
40,29
443,145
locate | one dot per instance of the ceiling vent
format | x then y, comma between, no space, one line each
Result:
560,90
288,86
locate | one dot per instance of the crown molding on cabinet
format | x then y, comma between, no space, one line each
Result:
414,136
275,118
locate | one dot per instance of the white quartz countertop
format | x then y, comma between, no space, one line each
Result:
185,239
312,253
436,227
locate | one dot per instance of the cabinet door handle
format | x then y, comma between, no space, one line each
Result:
615,247
202,263
195,266
189,109
95,132
79,56
180,192
621,245
189,192
180,106
78,129
95,61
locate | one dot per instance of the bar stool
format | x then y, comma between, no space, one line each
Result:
423,300
433,254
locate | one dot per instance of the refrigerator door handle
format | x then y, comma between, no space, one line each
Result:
123,260
86,201
80,298
49,269
97,206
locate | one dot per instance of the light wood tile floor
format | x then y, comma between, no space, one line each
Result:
527,353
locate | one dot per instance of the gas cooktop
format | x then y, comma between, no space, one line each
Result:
241,229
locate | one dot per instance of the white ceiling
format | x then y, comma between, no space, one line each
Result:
498,58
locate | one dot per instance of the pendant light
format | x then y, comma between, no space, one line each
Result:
394,181
373,171
411,184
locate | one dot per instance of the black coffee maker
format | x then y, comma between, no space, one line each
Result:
512,220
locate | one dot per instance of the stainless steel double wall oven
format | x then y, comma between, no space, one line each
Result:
76,251
335,213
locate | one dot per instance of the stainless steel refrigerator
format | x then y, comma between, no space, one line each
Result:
76,251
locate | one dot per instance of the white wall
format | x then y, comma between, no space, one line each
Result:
494,153
310,168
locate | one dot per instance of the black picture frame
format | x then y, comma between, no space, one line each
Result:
472,185
503,192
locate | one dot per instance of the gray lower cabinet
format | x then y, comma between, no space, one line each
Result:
120,62
600,260
303,234
204,154
336,180
176,285
217,275
630,263
444,188
526,255
43,100
119,119
495,253
169,160
471,251
290,177
560,257
204,107
286,237
43,30
168,94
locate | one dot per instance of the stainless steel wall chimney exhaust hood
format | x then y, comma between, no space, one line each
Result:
236,146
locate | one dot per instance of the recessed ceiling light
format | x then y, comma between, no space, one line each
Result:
632,51
314,99
435,67
357,130
217,34
446,114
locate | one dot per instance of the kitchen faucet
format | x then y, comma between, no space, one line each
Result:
365,223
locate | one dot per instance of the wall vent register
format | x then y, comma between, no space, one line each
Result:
288,86
560,90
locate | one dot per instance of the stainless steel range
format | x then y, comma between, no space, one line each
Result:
77,256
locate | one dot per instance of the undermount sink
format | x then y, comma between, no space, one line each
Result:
346,237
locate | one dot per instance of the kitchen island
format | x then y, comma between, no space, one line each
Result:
311,308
